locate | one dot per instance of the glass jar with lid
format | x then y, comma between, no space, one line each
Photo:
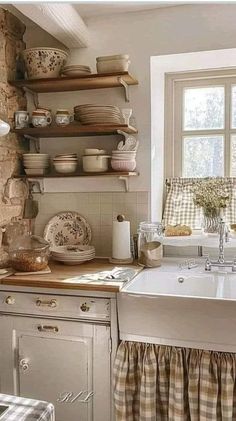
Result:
150,239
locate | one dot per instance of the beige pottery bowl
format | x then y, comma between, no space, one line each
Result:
44,62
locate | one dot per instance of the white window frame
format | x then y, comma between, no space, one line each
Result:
160,67
174,131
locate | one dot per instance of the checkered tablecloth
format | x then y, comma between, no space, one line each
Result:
23,409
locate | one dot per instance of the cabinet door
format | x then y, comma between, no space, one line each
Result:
56,370
57,365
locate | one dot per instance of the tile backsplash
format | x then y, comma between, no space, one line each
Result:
100,209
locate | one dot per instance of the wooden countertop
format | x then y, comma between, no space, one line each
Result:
60,277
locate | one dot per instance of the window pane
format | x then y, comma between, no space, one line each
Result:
233,111
204,108
233,156
203,156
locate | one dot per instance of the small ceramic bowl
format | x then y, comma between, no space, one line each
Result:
65,167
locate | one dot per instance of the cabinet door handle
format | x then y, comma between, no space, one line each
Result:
43,328
52,303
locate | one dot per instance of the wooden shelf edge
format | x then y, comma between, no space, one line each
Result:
74,130
73,83
92,174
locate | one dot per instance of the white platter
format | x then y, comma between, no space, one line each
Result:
67,228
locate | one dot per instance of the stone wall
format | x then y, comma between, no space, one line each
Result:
11,99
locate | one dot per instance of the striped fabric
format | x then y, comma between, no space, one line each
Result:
24,409
162,383
179,206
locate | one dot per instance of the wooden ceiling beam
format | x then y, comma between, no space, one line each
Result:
60,20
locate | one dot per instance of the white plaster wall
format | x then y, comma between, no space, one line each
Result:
142,35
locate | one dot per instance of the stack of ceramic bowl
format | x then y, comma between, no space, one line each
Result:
123,160
98,114
36,163
73,255
112,64
65,163
76,70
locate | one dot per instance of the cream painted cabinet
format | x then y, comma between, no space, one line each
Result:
61,361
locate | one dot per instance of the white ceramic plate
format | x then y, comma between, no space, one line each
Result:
66,259
83,250
89,107
67,228
73,263
76,66
73,258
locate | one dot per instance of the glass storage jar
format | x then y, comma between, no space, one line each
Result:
29,254
150,239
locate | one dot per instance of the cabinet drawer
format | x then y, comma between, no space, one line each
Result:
55,305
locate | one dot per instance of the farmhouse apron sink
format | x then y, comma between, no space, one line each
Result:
172,306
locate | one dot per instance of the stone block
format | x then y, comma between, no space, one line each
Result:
7,212
13,26
11,99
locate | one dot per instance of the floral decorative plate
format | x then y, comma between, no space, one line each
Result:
67,228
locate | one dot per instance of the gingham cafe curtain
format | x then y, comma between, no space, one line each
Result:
180,209
163,383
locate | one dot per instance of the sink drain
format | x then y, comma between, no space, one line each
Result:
180,279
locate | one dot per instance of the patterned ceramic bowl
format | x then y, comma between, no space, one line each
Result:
44,62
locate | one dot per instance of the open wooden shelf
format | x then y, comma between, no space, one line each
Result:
73,130
75,83
83,174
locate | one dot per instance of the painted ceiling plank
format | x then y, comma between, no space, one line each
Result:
61,20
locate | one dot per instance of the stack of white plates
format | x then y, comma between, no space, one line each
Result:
76,70
36,163
98,114
65,163
73,255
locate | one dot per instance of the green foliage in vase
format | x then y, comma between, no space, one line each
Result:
211,195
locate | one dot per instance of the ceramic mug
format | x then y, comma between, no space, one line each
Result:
63,117
21,119
40,119
43,110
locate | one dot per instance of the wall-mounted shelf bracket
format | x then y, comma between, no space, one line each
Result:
126,182
34,96
37,185
125,86
35,141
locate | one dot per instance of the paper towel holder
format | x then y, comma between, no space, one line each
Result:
121,218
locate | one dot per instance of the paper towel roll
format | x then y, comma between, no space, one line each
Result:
121,240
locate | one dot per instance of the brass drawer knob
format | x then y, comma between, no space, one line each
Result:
10,300
84,307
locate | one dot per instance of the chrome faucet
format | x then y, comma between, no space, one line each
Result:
221,262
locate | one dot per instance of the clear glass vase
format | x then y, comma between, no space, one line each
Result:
211,224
